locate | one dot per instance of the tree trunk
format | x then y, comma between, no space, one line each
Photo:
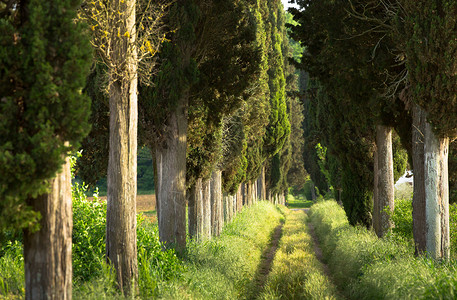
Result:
195,210
239,198
313,191
385,180
171,176
376,216
121,250
249,193
217,219
47,252
155,167
262,186
436,152
206,203
243,194
419,221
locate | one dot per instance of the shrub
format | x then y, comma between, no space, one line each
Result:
89,232
12,271
89,238
403,219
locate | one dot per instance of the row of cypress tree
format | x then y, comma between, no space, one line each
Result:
216,106
381,80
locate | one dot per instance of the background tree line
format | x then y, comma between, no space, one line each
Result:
382,84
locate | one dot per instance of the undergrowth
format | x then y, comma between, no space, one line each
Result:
296,272
365,267
221,268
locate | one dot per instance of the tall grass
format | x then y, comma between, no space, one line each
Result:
365,267
296,272
224,267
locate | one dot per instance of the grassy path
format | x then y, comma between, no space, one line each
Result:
296,272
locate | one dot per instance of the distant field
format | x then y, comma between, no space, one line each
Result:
144,203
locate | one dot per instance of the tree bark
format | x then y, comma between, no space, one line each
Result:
419,221
385,180
195,210
243,194
217,218
376,216
436,152
313,191
121,249
256,197
226,209
171,176
262,186
249,193
47,252
239,198
206,203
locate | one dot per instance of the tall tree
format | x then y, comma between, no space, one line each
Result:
123,43
45,58
430,29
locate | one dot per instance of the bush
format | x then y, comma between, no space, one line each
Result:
89,238
12,271
403,219
89,232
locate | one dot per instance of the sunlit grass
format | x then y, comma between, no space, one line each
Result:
366,267
224,267
296,272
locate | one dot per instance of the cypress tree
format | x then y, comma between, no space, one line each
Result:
45,58
430,29
209,61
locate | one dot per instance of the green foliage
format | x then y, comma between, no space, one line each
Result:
11,270
452,172
453,229
429,29
400,157
89,231
278,129
45,58
403,219
145,171
92,166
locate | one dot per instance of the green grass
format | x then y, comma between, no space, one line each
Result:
366,267
298,201
224,267
296,272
